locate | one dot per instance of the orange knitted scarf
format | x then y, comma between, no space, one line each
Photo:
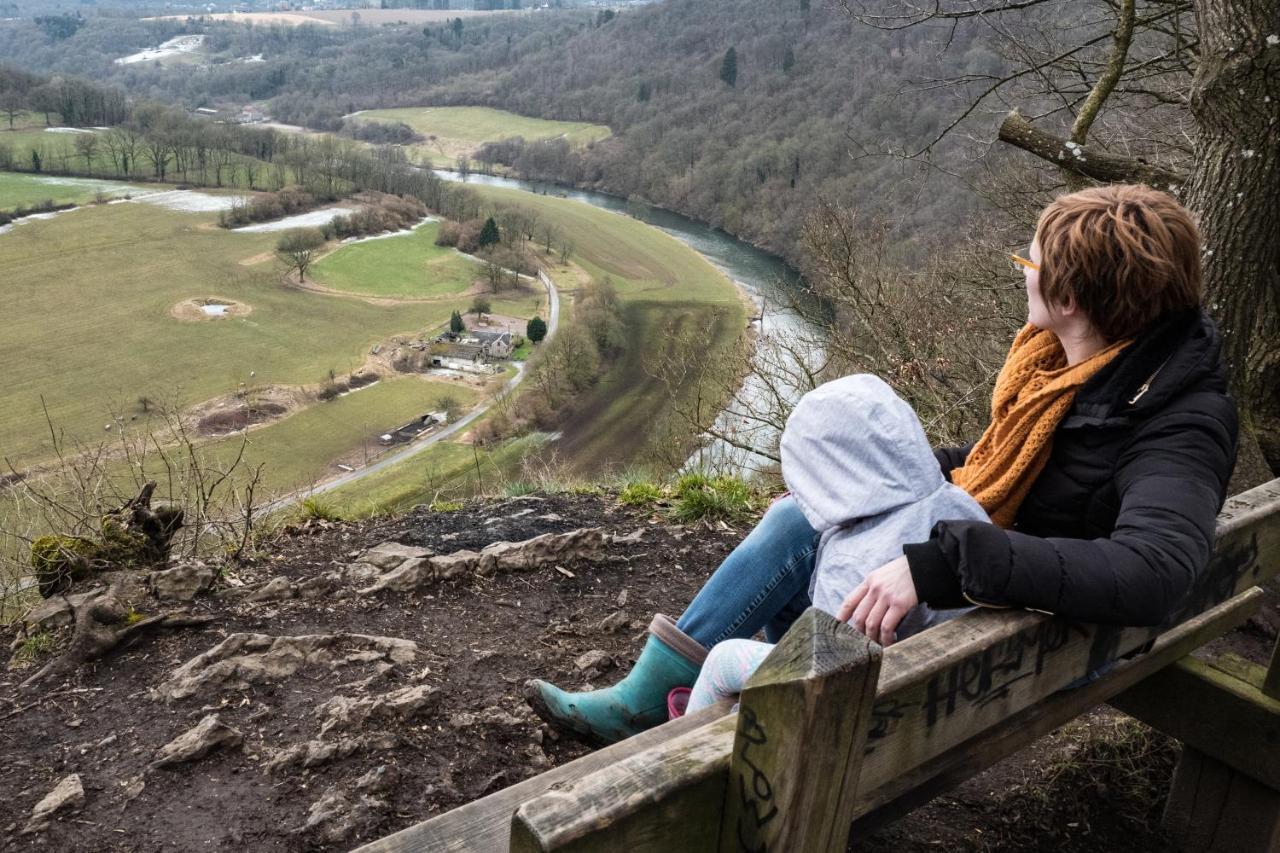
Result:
1033,392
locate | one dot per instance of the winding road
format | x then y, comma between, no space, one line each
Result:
553,322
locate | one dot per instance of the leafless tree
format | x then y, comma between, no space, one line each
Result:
1179,94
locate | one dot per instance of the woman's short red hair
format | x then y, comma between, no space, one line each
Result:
1125,254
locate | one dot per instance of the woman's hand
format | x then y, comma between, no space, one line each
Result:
880,601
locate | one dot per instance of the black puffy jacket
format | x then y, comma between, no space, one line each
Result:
1122,518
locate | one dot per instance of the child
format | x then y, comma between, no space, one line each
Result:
858,465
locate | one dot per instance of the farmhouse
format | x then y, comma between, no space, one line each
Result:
494,344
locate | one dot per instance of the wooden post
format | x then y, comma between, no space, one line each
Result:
1226,791
1214,808
802,728
1271,684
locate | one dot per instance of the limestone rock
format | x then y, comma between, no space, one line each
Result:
583,545
181,583
338,815
277,589
408,576
346,712
455,564
379,780
594,659
244,659
55,612
197,742
390,555
67,795
614,622
315,752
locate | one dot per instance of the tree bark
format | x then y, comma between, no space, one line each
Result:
1235,188
1090,162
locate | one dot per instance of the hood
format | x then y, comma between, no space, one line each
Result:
1181,351
851,449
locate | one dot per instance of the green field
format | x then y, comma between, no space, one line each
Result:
406,265
26,190
345,428
446,471
665,287
672,298
460,130
85,321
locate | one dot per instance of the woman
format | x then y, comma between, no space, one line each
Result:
1107,459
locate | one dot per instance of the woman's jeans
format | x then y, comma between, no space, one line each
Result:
764,583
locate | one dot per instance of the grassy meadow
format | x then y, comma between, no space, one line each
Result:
461,130
344,429
669,293
404,265
672,297
86,328
21,190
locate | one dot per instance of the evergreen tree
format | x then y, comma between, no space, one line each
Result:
536,330
788,60
643,94
489,233
455,322
729,68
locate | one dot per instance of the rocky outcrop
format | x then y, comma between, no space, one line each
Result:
67,796
244,659
403,568
197,742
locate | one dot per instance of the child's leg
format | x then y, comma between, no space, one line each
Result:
725,671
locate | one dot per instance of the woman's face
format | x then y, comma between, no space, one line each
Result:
1038,313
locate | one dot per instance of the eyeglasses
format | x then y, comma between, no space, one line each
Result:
1018,260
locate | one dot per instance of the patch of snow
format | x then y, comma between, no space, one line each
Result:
215,310
314,219
67,130
401,233
1273,40
90,184
173,47
188,201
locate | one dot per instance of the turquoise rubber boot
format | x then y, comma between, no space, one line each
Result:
638,702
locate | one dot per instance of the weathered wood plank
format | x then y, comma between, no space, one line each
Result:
1214,808
802,724
937,690
1271,684
910,790
484,826
653,800
942,687
1213,711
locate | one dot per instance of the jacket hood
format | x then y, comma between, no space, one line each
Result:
1177,353
852,448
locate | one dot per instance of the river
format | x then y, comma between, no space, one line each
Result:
772,286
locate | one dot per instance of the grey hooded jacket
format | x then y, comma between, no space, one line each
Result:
861,470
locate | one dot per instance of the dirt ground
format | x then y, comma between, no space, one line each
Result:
1097,785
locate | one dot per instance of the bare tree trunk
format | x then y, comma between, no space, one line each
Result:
1235,187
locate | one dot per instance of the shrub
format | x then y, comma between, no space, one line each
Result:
640,494
714,498
314,509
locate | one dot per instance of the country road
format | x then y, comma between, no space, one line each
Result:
553,322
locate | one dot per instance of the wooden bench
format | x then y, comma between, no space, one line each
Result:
833,732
